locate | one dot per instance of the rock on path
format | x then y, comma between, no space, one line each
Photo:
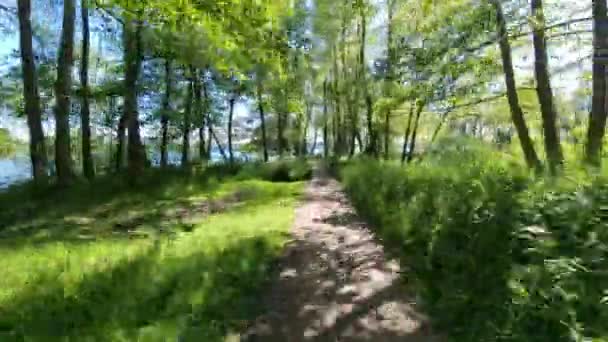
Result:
335,282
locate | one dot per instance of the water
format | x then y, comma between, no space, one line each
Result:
14,170
17,169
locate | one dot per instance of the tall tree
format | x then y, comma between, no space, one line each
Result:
597,120
230,119
187,120
543,89
85,120
63,86
164,119
517,114
200,114
389,72
133,51
262,122
30,93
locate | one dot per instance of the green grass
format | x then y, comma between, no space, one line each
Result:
184,256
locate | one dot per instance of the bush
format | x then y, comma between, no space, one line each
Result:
497,255
279,171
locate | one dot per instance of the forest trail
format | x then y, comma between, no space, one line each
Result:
335,282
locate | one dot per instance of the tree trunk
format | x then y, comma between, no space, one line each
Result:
304,143
164,119
85,120
517,114
390,51
230,118
543,89
133,58
371,135
187,120
597,120
63,86
217,142
262,124
200,114
208,121
325,120
280,134
122,139
30,94
387,133
410,155
407,134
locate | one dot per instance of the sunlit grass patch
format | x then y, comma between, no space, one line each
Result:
143,266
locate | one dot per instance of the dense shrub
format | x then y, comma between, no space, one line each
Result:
498,256
278,171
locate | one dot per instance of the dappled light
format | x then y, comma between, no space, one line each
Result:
304,170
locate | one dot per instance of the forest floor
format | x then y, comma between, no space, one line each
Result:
335,282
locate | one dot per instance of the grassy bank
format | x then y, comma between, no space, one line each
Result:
497,254
181,256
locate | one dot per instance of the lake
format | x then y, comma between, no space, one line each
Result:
14,170
18,168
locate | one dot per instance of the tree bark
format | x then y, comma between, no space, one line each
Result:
187,120
597,120
200,114
280,134
63,86
230,118
325,120
387,133
262,124
122,139
31,94
390,51
208,121
410,155
133,57
88,165
543,89
407,134
164,119
517,114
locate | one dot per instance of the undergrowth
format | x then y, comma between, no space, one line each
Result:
498,255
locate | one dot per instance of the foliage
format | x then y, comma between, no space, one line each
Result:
498,256
7,143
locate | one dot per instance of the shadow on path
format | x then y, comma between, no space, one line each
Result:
335,281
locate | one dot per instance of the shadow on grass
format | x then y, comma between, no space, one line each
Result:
197,297
173,201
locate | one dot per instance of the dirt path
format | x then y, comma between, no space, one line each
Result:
335,282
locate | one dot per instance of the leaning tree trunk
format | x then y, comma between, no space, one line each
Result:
410,155
262,123
517,114
597,120
133,57
230,118
187,123
543,89
30,93
88,166
406,136
164,119
63,86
